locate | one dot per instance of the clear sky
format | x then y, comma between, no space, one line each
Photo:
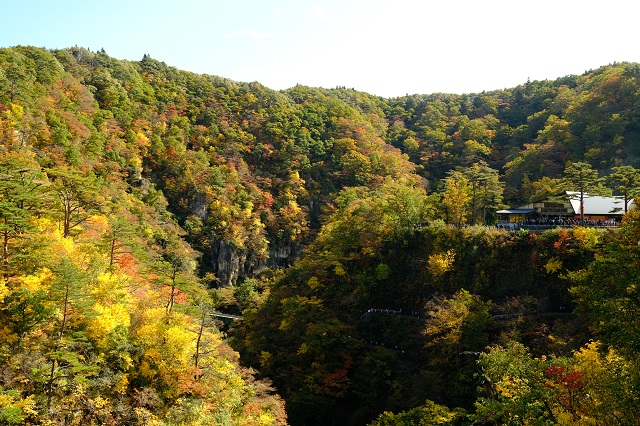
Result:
385,47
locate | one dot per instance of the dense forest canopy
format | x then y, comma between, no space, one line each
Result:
351,232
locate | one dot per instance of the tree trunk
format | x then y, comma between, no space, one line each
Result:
5,251
169,306
203,318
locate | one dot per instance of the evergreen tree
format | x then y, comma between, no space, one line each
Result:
78,195
581,178
22,197
486,190
626,181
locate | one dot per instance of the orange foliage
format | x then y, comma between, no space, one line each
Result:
179,297
127,263
563,239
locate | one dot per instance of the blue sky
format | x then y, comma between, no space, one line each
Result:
387,48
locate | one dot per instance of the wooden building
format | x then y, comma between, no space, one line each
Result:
565,209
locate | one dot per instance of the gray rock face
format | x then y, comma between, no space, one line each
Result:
228,263
198,206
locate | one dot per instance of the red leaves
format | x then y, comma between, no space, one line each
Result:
565,383
559,376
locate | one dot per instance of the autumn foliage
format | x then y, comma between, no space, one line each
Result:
352,234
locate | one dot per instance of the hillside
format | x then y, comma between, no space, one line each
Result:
276,160
136,198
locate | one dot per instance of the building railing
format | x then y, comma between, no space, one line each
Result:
544,226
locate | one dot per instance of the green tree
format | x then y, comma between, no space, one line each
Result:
608,289
626,181
78,196
176,268
67,366
21,198
593,386
581,178
542,188
118,238
456,327
429,413
486,190
515,390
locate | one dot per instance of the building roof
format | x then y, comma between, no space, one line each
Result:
516,211
597,205
593,205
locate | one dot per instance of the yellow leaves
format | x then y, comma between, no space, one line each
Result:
265,359
593,360
302,349
99,222
136,162
146,417
262,419
589,354
169,345
37,282
142,140
122,385
148,232
457,194
104,286
284,325
15,407
339,270
127,362
179,344
446,318
17,110
146,370
587,237
64,244
368,251
473,147
100,402
512,387
440,263
553,265
6,399
7,337
314,283
44,224
109,318
4,291
14,114
29,406
112,306
150,320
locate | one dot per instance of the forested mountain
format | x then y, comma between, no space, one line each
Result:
137,198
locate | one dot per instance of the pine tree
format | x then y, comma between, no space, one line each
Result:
581,178
625,180
22,197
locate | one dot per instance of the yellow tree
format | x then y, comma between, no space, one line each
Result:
455,198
